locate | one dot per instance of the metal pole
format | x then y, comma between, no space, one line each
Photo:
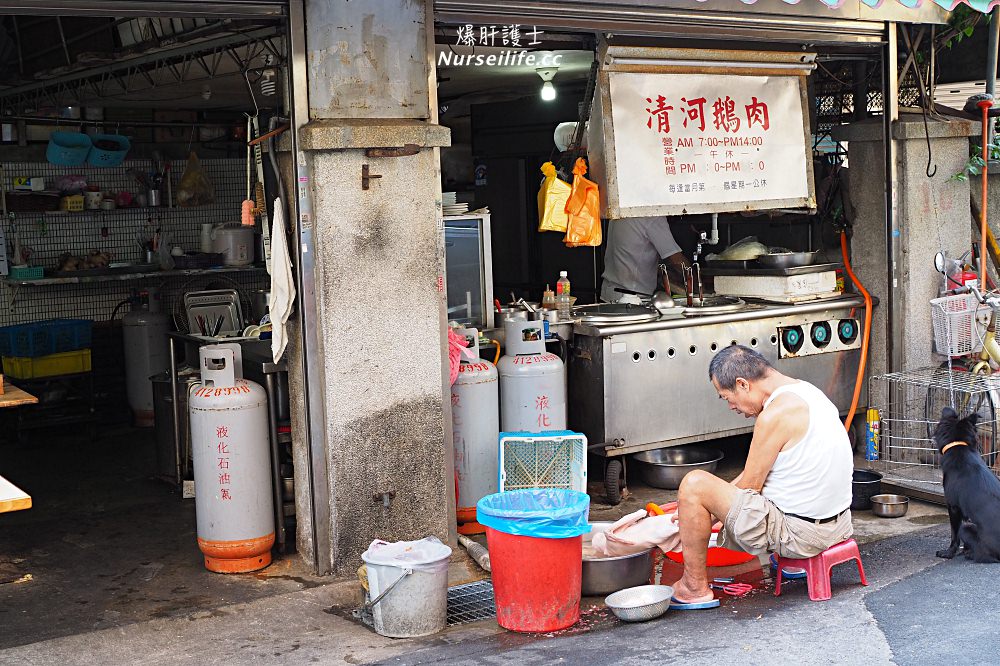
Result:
173,405
890,115
991,60
315,434
277,487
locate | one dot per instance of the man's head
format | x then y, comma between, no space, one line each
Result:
736,372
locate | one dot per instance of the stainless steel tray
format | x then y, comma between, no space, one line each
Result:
210,305
755,269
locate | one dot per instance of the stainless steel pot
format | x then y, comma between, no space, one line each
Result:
665,468
609,574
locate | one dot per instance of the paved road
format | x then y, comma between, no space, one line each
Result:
918,610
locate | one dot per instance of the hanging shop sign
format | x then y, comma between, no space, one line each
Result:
702,133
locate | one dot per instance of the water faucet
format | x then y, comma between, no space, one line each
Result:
706,239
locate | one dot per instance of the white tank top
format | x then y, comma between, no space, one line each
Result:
813,477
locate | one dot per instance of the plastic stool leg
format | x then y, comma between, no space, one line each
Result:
819,579
777,582
861,571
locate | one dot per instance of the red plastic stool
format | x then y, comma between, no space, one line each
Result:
818,568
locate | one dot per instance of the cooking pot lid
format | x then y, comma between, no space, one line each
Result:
615,313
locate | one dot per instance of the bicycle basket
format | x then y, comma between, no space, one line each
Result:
956,329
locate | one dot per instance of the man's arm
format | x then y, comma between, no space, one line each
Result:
785,421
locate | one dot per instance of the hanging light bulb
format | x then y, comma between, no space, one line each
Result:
547,74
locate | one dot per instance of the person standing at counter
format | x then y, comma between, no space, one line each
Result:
794,494
635,247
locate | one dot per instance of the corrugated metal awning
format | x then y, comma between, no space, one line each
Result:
165,8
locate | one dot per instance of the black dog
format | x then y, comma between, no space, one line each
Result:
970,489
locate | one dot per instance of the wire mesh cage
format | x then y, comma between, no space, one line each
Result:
909,406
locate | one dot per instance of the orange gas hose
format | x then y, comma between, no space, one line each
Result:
865,335
496,358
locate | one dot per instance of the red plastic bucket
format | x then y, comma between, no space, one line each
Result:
536,582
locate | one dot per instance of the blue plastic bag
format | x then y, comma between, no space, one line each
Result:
546,513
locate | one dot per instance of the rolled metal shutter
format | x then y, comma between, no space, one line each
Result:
160,8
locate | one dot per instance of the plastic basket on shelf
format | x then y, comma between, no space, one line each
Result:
68,148
556,459
956,326
72,203
26,273
104,157
43,338
66,363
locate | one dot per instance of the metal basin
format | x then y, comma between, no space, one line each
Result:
664,468
890,506
710,305
605,575
638,604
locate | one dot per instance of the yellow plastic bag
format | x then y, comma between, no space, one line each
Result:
552,198
584,210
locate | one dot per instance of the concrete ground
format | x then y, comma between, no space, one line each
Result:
115,577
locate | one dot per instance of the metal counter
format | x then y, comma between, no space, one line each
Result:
637,387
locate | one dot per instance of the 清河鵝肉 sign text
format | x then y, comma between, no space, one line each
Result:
692,143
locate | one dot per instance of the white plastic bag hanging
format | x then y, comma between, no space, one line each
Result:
427,554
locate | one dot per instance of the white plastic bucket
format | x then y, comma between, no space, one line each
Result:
413,577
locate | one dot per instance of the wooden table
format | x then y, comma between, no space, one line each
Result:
14,397
13,498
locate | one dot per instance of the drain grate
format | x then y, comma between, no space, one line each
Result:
470,603
466,603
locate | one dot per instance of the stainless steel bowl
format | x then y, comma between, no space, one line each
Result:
788,259
638,604
890,506
604,575
287,489
664,468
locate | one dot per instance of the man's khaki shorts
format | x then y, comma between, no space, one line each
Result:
755,525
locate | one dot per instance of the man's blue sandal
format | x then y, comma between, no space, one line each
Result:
698,605
791,573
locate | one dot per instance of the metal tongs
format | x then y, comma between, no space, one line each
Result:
690,282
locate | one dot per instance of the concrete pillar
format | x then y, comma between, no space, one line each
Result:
934,215
379,257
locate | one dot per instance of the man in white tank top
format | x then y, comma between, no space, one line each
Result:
793,496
